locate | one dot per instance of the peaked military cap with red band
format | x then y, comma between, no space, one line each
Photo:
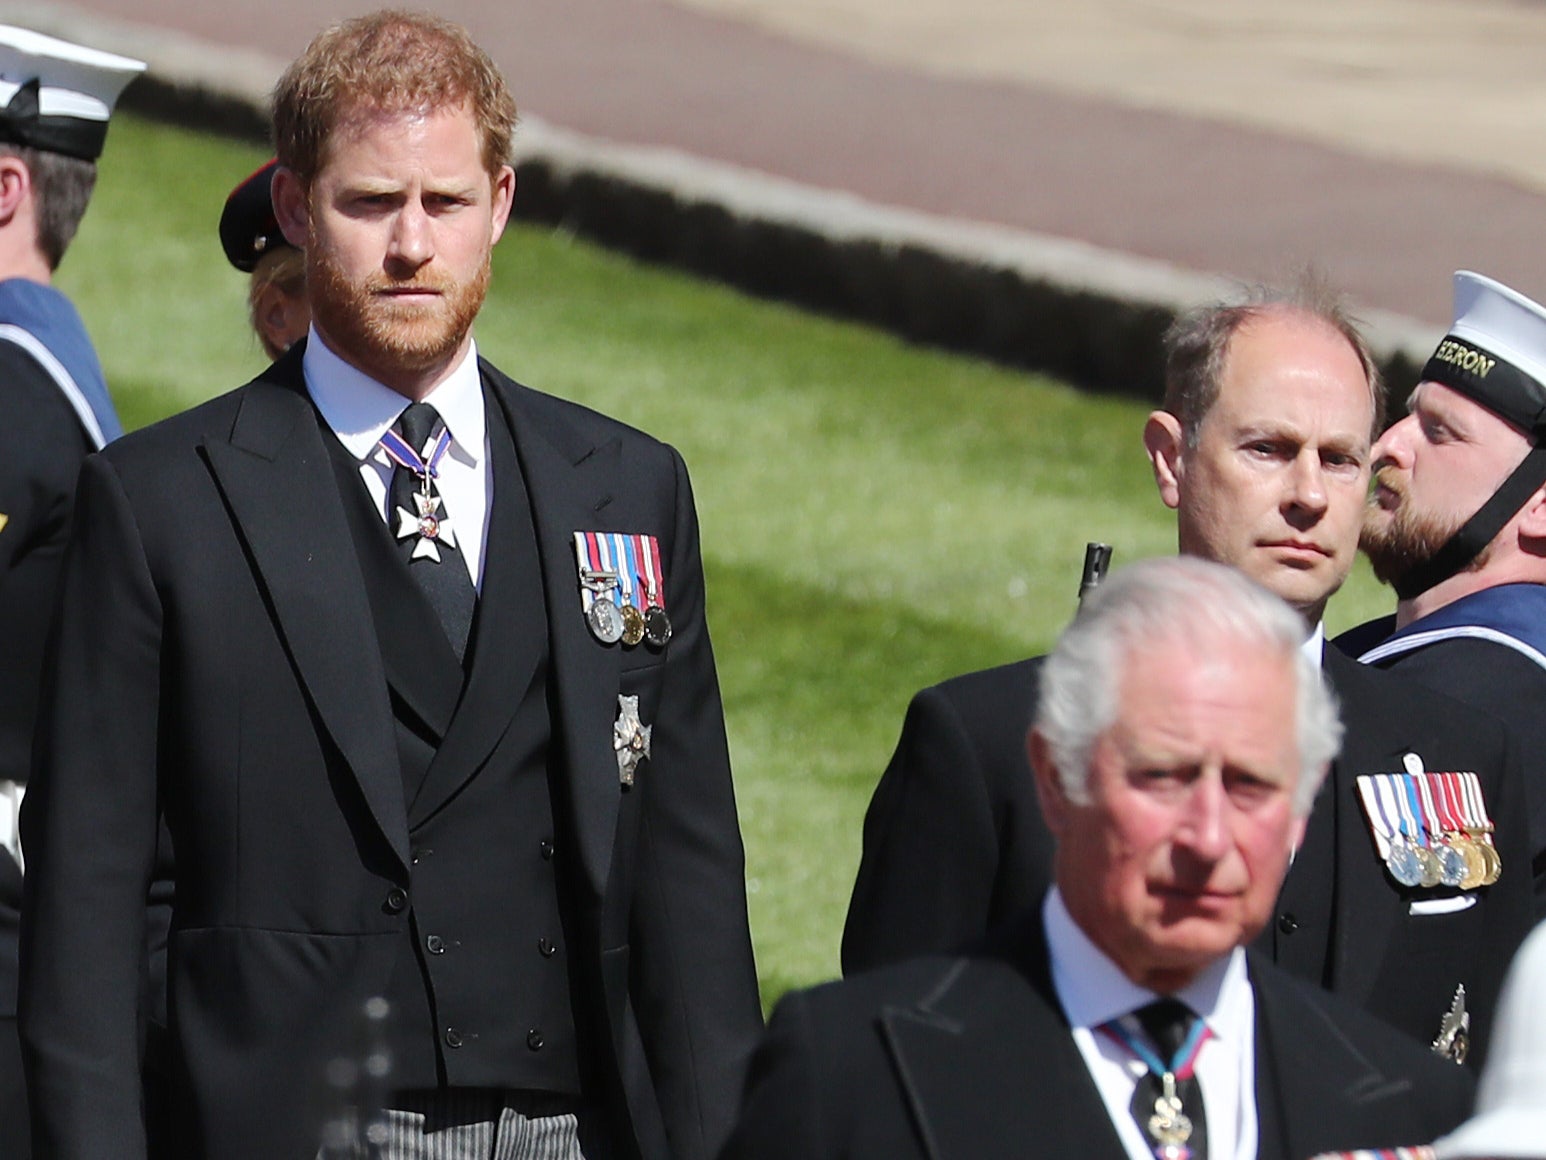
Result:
248,227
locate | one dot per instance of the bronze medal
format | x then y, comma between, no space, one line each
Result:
1482,836
633,625
1475,864
1493,859
1432,873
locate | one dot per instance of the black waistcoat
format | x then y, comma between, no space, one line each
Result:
481,991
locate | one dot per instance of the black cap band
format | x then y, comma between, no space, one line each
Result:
1491,381
22,123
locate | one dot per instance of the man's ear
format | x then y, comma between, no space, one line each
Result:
291,210
1049,787
1162,440
15,185
504,200
1532,523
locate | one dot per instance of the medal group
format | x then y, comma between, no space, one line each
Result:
1431,829
622,588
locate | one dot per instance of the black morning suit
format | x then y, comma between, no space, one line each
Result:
954,844
42,444
222,656
948,1059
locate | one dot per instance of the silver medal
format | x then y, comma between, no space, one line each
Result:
605,620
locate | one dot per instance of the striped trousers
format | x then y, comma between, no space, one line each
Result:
462,1124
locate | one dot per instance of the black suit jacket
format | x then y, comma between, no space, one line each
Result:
216,661
42,444
950,1059
954,844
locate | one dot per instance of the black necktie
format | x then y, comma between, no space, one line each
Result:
425,533
1169,1025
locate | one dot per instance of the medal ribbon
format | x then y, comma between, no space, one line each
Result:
1374,807
400,453
1423,785
594,583
624,566
1476,805
1409,809
608,563
1181,1065
657,588
1444,792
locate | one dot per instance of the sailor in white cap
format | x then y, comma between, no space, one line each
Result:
55,99
1456,523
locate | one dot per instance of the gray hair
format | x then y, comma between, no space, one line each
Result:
1197,345
1173,598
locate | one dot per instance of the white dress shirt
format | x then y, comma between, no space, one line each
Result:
1093,991
1314,646
360,411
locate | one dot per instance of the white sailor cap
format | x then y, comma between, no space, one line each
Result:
57,96
1495,351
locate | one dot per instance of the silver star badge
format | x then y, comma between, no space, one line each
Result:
429,525
630,738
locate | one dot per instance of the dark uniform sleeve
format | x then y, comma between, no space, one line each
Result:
89,826
41,448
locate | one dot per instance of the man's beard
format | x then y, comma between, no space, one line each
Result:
384,334
1400,540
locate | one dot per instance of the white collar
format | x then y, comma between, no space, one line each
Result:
1314,646
1094,991
360,410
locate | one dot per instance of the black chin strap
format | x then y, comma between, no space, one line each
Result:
1479,530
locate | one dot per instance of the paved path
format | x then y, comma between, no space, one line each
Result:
1387,141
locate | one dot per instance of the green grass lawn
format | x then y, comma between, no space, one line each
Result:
876,517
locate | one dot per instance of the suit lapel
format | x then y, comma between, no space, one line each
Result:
276,476
569,481
1328,1091
508,632
983,1039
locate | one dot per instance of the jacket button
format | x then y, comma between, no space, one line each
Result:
435,945
547,948
534,1040
547,849
1287,923
453,1037
396,901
